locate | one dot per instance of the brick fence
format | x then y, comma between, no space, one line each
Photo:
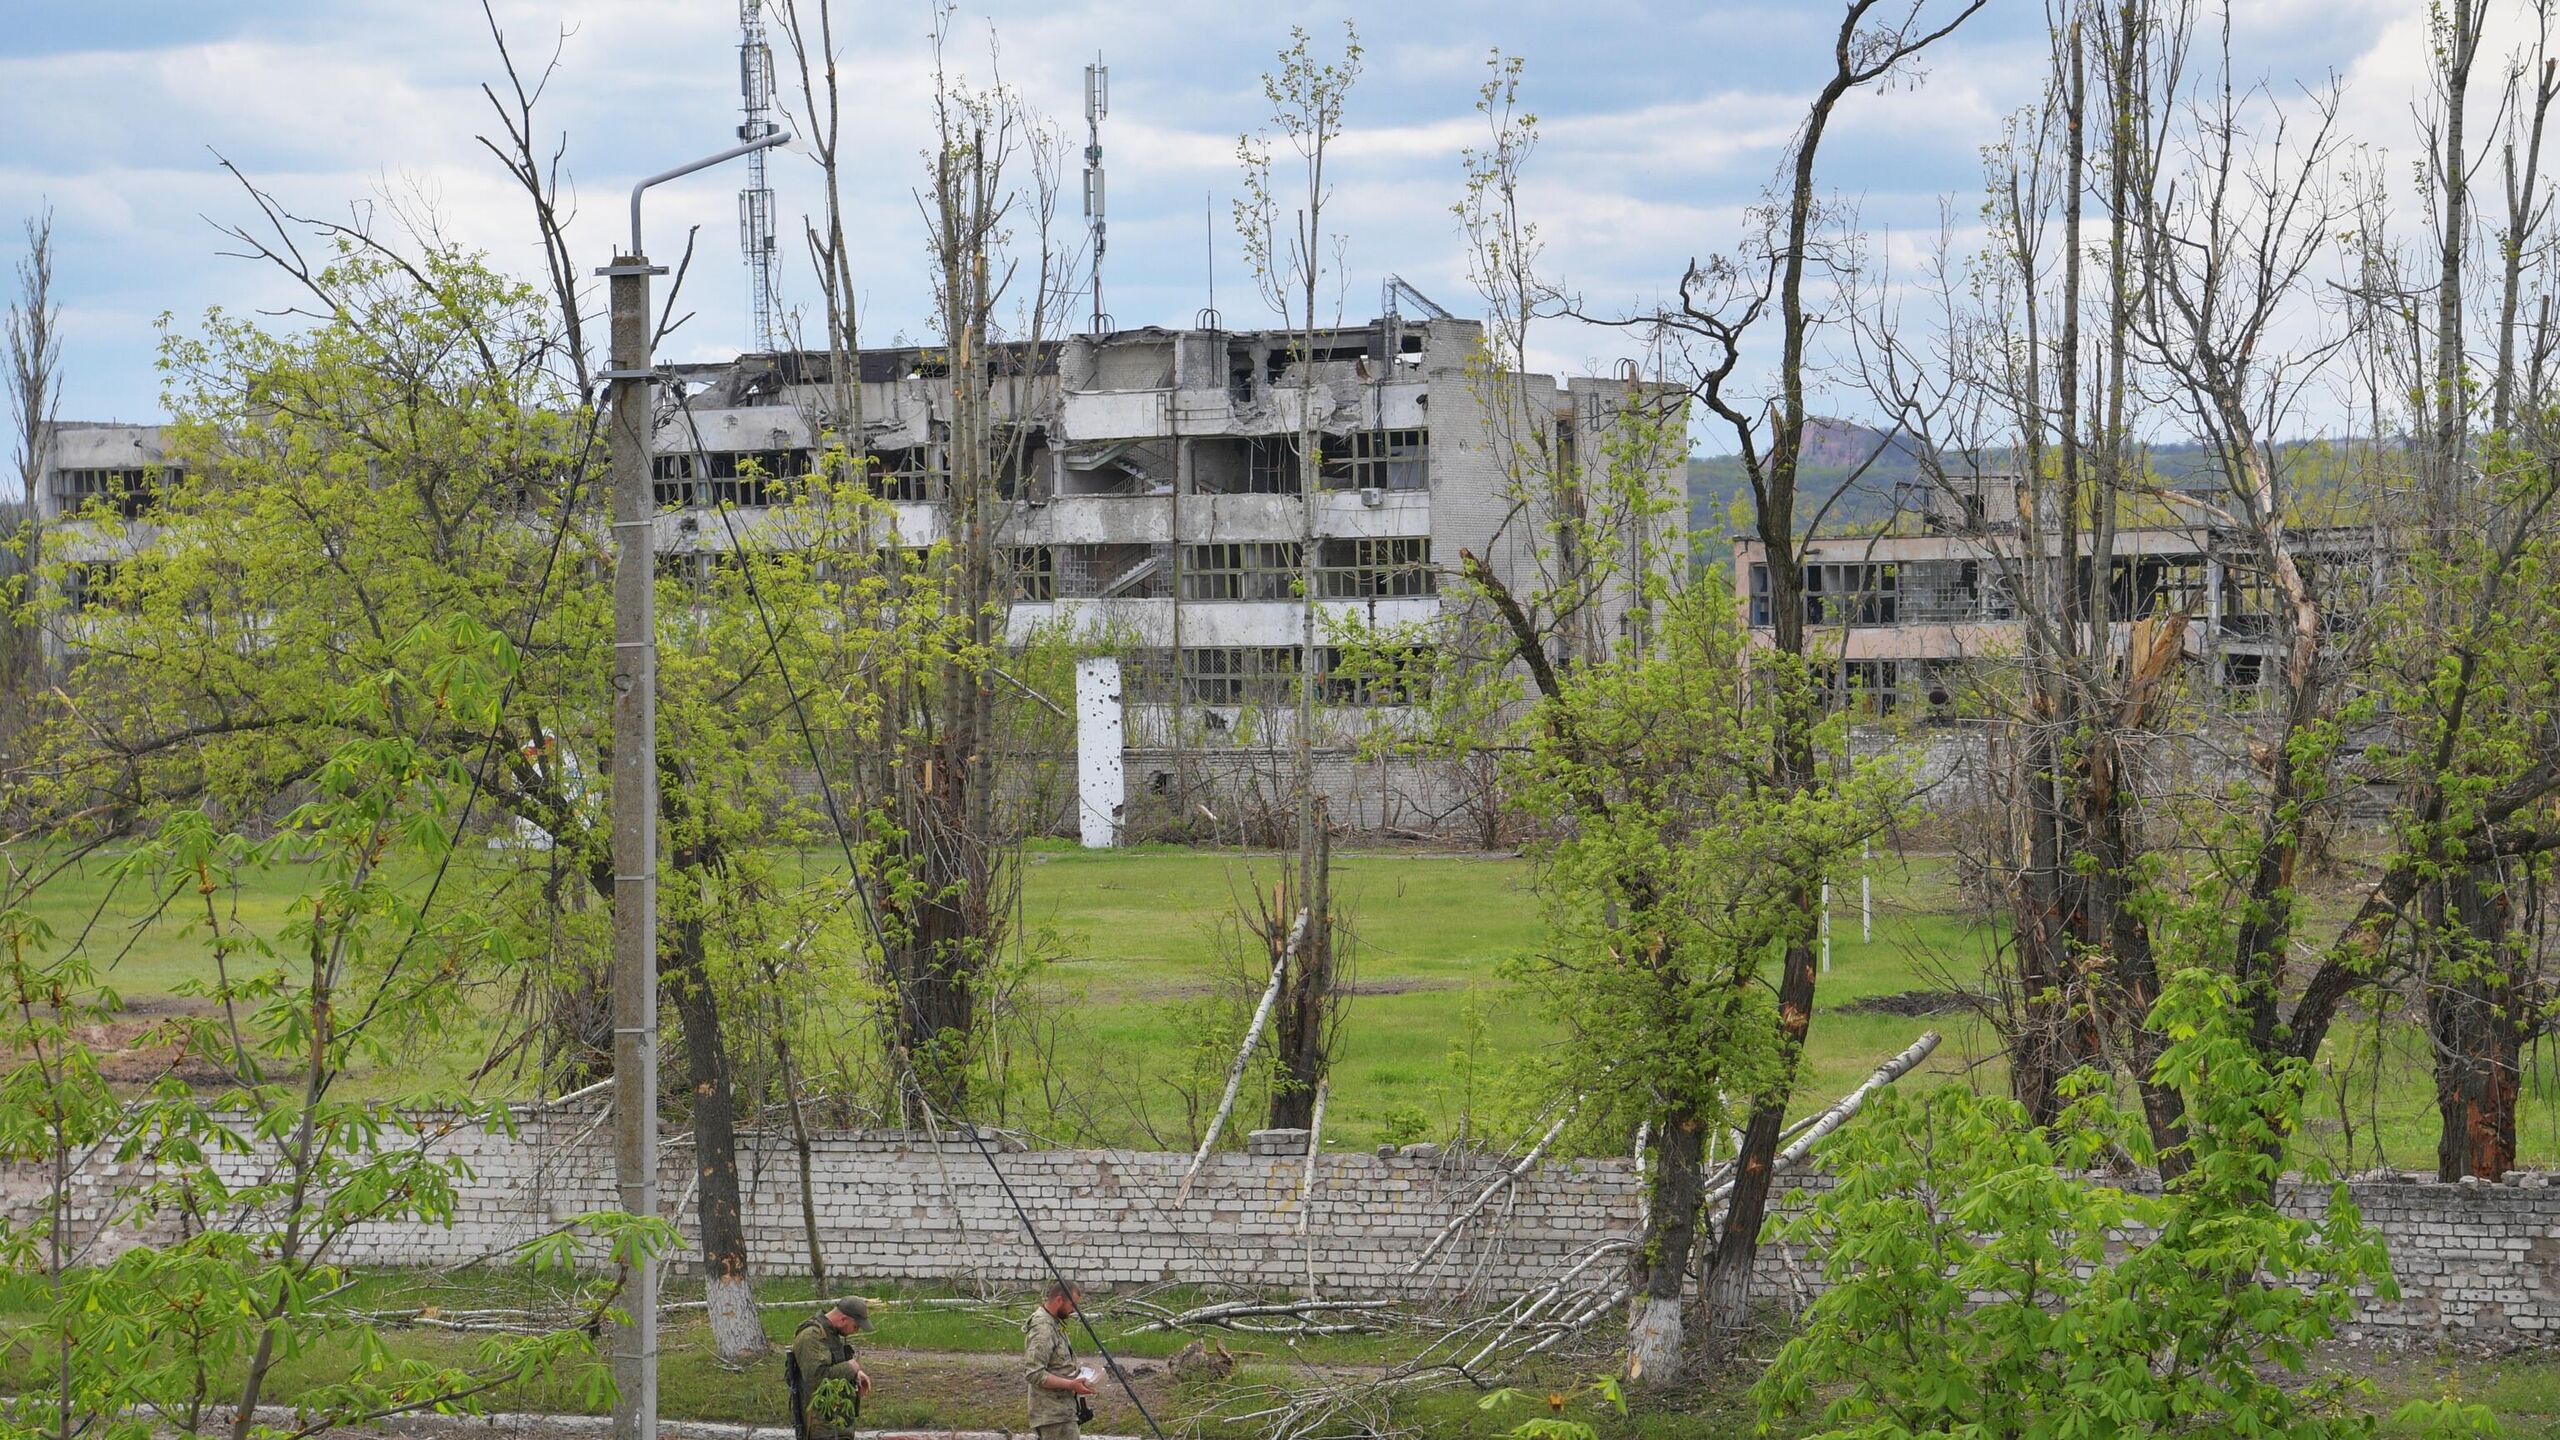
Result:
2477,1264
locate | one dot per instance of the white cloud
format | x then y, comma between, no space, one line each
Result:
1660,127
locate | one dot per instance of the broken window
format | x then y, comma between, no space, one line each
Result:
1120,467
89,584
1374,460
692,567
1114,572
671,481
2248,599
1240,674
904,474
2244,680
1147,676
1395,676
1252,570
744,478
132,491
1253,465
1866,687
1851,594
1035,571
1022,463
2139,586
1374,568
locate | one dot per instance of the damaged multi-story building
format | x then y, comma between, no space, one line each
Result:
1908,615
1152,501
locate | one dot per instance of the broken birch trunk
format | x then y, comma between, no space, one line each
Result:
1244,1056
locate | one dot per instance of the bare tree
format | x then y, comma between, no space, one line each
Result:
538,175
949,864
1307,96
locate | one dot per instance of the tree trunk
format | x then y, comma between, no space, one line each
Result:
2046,1044
1738,1245
736,1331
1303,1025
1662,1264
2473,1018
799,1135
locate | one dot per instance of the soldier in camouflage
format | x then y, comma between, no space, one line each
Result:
1056,1384
820,1353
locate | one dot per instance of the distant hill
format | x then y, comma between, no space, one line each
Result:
1834,449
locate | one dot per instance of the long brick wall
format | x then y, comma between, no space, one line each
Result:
2476,1263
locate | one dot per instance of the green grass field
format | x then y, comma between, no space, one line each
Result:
1143,940
1147,968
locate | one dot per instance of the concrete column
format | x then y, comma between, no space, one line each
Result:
634,1345
1101,785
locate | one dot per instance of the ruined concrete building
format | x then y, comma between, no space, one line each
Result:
1151,500
1911,614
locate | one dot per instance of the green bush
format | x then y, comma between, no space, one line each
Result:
1984,1283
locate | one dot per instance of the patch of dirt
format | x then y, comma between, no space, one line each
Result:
1401,987
908,1386
145,1042
1914,1003
1194,989
155,1005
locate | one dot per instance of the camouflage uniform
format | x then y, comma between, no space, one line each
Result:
823,1355
1045,1352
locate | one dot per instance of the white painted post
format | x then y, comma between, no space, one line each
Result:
1101,786
1826,927
1866,895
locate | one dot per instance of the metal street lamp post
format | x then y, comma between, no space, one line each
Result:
635,806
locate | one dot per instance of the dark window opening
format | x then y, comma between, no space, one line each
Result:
1367,568
1035,571
1398,676
131,491
1851,594
1374,460
1255,570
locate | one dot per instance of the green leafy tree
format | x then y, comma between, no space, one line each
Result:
268,1180
414,456
1668,885
1982,1282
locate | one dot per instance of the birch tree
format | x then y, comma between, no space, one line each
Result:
1307,96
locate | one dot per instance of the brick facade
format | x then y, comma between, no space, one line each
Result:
2477,1264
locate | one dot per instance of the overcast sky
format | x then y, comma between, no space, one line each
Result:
1662,121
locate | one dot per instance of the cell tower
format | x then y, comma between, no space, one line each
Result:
1097,103
755,202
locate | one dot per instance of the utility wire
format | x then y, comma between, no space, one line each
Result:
506,692
870,914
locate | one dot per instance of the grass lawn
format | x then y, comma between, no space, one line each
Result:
1152,981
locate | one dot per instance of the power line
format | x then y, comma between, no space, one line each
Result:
870,914
506,692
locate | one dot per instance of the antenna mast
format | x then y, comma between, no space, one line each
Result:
1097,103
755,202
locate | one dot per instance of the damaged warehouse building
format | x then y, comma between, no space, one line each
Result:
1151,505
1916,615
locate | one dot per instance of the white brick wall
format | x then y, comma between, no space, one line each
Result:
2476,1263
